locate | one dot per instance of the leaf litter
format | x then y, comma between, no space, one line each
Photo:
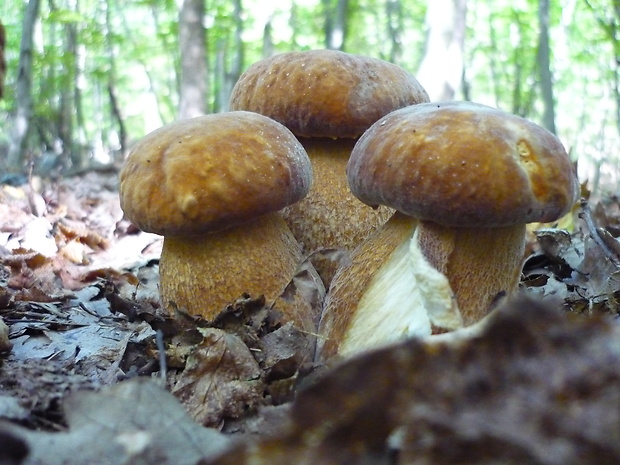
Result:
82,330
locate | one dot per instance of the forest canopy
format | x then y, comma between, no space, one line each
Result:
90,77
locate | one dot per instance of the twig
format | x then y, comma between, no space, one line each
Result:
163,367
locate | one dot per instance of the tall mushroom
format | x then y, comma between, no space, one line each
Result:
464,179
327,98
213,186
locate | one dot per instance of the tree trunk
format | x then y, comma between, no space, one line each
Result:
118,116
23,91
115,110
153,119
228,78
544,66
611,25
193,52
336,12
616,47
441,70
67,98
293,22
2,59
268,47
394,18
237,64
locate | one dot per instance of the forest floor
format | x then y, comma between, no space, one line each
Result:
90,357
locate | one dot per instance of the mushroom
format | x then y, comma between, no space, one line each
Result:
214,186
465,179
327,98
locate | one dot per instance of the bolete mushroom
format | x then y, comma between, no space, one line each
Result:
214,186
465,179
327,98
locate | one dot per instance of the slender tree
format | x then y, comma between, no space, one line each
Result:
610,24
23,90
69,89
394,20
268,47
115,107
544,66
336,14
441,70
193,52
2,59
228,75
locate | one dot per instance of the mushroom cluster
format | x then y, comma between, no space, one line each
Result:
327,98
464,180
324,149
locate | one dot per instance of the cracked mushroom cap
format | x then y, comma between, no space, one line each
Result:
325,93
463,164
212,172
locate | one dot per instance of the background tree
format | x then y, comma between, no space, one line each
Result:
544,66
23,90
394,24
2,59
441,70
608,18
116,128
106,72
193,53
230,54
336,15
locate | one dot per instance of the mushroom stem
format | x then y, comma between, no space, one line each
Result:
330,205
388,291
480,263
264,252
330,216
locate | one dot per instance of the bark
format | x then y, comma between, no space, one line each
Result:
493,64
544,66
336,12
152,120
441,70
23,91
117,115
394,17
615,34
193,52
2,59
67,98
611,25
293,21
228,77
268,47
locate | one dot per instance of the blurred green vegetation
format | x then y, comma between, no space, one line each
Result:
132,48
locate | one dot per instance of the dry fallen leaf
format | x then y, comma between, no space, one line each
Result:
536,386
221,379
134,422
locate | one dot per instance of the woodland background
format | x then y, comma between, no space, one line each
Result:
86,339
87,78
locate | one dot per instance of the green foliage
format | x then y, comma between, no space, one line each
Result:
133,46
64,16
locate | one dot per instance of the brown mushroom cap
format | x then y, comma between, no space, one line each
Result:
212,172
463,164
325,93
